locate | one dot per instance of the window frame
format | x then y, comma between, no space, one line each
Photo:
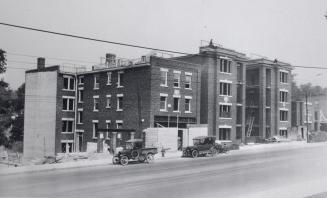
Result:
120,103
120,79
164,70
166,98
222,88
66,130
178,73
178,104
96,100
222,113
108,101
228,66
69,78
80,79
282,117
109,78
189,83
96,83
95,125
68,98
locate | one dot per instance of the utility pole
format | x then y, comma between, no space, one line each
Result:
307,118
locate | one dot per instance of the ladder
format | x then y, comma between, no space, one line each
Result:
250,125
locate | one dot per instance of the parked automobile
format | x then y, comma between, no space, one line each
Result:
273,139
134,151
203,145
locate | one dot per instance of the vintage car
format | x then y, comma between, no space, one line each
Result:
203,145
134,151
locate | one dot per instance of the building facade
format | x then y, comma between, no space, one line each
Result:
120,94
223,73
268,93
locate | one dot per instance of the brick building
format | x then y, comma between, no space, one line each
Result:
222,91
63,110
268,98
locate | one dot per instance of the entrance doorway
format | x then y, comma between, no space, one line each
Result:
302,132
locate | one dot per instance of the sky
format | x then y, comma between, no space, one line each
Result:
294,31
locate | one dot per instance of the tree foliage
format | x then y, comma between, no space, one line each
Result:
299,92
3,61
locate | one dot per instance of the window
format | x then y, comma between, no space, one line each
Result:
68,104
224,111
225,65
283,96
119,102
177,78
109,78
96,82
67,126
225,89
120,79
283,77
80,117
187,105
95,103
66,146
95,128
163,102
176,105
283,133
108,101
224,133
108,126
69,83
80,96
283,115
81,80
188,80
163,77
119,124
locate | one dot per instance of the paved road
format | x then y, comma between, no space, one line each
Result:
288,173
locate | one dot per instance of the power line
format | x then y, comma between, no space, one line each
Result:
123,44
93,39
64,59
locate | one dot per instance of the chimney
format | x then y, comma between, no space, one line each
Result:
110,60
40,63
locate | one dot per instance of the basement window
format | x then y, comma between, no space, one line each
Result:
66,146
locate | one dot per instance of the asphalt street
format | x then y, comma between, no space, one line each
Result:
290,172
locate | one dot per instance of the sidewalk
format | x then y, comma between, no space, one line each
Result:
107,159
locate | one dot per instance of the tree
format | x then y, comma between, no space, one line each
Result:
3,61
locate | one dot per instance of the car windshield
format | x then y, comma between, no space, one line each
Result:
196,141
129,145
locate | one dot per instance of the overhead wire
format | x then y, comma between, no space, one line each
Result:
121,43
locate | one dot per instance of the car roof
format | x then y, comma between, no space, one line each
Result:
203,137
135,140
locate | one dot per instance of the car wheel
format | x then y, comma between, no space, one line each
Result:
149,158
184,154
141,158
115,160
195,153
124,160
